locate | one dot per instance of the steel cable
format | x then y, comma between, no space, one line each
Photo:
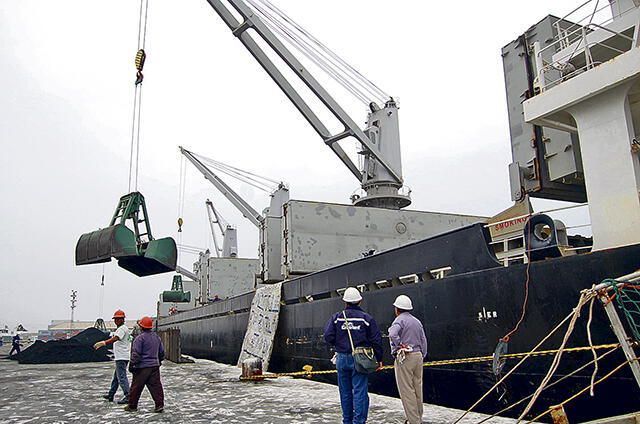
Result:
307,51
247,177
318,53
355,74
134,166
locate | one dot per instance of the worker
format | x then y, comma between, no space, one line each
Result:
121,341
15,344
409,347
352,385
147,354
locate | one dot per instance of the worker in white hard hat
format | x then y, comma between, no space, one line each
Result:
353,385
409,347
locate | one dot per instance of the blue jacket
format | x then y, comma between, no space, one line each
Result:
147,350
364,331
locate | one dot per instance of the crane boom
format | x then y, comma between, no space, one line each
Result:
229,247
244,208
391,175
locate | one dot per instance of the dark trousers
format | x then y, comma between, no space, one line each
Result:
15,347
149,377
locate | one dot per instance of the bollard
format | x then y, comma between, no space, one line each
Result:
252,367
558,415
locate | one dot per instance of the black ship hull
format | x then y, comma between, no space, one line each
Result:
464,314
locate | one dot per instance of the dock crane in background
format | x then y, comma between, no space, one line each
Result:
268,222
300,237
380,173
229,233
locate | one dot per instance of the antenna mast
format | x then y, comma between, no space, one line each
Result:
74,296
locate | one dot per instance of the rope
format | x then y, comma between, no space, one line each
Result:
595,355
505,338
550,385
516,367
585,296
440,362
583,390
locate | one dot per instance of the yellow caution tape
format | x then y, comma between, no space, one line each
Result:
308,373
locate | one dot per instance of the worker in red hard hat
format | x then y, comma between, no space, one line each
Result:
147,354
121,341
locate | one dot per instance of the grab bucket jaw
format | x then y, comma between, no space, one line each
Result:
100,246
160,255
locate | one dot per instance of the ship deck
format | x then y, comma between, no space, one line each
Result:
203,392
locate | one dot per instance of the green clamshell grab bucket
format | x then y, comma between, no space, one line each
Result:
118,241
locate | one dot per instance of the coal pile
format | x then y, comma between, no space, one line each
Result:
78,348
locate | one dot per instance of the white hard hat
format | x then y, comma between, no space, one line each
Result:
352,295
403,302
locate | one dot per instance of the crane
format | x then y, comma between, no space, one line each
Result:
268,222
380,173
229,233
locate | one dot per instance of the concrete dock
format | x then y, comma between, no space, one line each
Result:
202,392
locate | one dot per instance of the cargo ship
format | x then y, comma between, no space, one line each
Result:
477,283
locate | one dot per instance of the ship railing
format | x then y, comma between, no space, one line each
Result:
577,34
509,246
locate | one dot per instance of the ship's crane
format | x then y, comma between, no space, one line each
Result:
268,223
229,233
380,173
278,197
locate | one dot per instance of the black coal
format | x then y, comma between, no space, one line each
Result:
78,348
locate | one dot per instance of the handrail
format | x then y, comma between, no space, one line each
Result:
586,50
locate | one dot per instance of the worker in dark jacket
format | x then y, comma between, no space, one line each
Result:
147,353
15,344
353,386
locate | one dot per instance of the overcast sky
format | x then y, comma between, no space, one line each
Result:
66,85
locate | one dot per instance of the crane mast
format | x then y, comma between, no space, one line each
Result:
229,247
381,174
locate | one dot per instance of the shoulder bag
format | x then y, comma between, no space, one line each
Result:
363,357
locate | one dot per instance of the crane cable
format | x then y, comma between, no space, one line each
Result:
348,69
318,53
137,97
181,195
260,182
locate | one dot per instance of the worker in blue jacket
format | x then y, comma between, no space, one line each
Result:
147,354
15,344
353,386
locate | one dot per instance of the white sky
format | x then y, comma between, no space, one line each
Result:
66,86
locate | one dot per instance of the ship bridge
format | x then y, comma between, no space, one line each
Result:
586,84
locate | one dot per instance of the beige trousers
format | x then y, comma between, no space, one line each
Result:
409,381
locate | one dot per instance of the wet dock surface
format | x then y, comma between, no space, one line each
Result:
203,392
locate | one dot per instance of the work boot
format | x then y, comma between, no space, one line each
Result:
159,408
123,401
108,398
130,409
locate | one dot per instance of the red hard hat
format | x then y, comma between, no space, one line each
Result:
118,314
146,322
